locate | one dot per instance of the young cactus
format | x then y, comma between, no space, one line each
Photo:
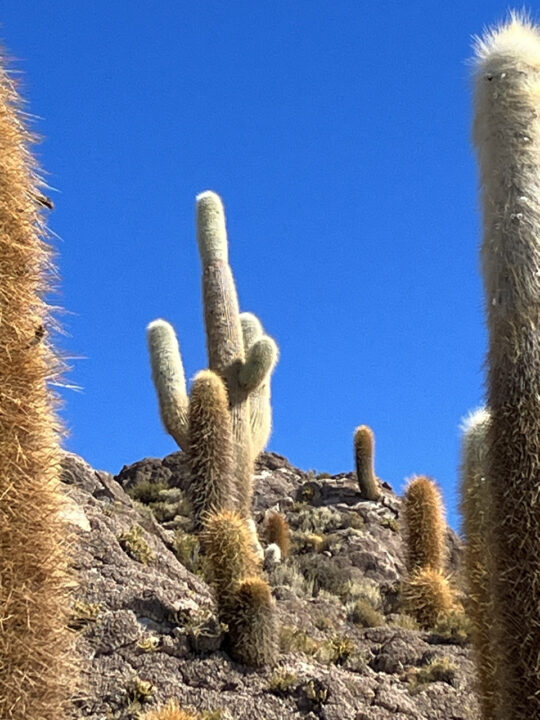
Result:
425,525
170,711
364,453
36,677
507,138
244,599
475,501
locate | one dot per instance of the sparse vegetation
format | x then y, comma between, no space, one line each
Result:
133,542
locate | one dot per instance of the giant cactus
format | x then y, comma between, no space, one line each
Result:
35,678
244,366
507,137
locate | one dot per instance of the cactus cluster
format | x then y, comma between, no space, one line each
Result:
223,426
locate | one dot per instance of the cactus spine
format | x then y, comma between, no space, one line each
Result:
364,453
507,137
475,499
170,380
35,678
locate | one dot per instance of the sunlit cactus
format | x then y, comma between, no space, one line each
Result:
507,138
36,679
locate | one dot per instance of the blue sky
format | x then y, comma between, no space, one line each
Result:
338,134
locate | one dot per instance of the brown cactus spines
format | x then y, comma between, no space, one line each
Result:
427,594
224,332
36,679
364,453
507,137
475,500
210,450
253,629
169,379
278,532
228,545
425,525
170,711
260,404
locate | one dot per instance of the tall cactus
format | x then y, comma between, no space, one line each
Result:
507,137
245,368
475,501
35,679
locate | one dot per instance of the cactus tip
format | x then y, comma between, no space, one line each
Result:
517,38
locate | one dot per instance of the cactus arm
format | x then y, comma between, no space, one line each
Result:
260,406
169,379
261,359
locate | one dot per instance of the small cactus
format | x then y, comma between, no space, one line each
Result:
253,629
228,545
364,453
425,525
170,711
427,595
278,532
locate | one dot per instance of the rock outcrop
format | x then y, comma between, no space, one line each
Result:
146,621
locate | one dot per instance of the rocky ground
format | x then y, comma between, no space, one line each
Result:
146,621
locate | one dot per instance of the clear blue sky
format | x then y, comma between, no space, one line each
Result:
338,134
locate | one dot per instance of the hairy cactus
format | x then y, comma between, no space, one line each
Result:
507,137
170,380
475,501
210,451
427,595
253,629
425,525
245,367
35,675
364,453
228,545
260,407
170,711
244,599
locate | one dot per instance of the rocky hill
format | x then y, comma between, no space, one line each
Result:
147,627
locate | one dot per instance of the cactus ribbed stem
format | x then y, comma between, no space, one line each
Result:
364,454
